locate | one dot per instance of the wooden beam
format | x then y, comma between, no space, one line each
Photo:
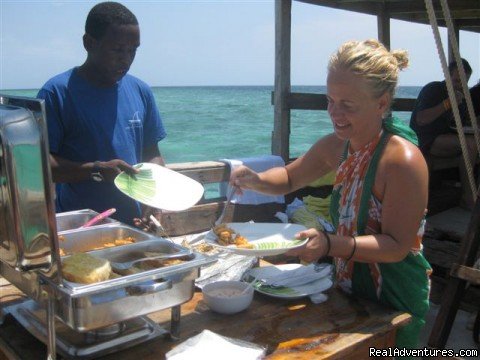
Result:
307,101
383,26
202,217
416,6
281,126
304,101
403,104
456,30
466,273
203,171
409,10
423,16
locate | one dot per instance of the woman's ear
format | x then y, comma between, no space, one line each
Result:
384,102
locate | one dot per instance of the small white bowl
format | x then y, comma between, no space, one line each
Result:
228,297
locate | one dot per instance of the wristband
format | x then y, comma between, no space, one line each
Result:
447,105
354,248
328,242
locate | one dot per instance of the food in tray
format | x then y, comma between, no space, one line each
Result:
117,242
202,247
84,268
148,265
227,236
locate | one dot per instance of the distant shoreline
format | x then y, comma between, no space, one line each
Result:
214,86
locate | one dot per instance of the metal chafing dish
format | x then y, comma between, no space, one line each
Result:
74,219
80,321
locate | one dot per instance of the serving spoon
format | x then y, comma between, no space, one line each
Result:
122,266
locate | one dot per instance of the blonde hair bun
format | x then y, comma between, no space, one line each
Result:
402,58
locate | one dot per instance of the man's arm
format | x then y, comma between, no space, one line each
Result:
428,115
152,155
66,171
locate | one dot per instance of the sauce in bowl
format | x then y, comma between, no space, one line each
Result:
225,292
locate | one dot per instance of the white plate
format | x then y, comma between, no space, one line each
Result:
161,188
267,238
294,292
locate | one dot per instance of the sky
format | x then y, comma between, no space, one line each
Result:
200,42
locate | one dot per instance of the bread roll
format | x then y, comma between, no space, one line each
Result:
86,269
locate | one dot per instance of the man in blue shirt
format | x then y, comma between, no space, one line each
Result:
432,120
101,120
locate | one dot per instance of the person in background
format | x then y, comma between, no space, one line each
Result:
475,95
432,120
100,119
380,191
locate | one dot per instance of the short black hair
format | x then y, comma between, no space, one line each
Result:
106,14
466,66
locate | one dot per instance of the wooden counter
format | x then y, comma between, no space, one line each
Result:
341,328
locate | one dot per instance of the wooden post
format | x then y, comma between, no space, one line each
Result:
383,26
281,126
456,29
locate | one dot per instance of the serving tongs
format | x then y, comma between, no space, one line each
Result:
231,192
125,265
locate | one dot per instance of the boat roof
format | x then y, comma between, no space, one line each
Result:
465,13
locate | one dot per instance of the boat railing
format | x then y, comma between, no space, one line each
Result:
202,216
310,101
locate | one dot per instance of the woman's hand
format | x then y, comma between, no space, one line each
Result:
244,178
314,249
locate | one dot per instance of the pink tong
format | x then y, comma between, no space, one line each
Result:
99,217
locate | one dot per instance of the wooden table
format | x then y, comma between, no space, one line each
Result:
341,328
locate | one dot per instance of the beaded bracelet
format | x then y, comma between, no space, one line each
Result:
446,104
354,248
328,242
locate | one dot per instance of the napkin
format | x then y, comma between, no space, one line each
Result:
258,164
299,276
211,346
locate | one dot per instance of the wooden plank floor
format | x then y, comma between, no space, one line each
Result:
452,222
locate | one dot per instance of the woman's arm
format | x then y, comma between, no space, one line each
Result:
322,157
401,184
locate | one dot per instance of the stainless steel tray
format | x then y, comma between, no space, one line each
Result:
87,307
95,237
71,220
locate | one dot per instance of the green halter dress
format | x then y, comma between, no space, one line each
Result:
403,285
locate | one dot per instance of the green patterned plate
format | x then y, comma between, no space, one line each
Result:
159,187
267,238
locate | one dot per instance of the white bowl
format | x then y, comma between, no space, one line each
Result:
228,297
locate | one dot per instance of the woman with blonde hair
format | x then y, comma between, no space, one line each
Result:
380,192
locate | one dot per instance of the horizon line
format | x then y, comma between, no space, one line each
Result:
192,86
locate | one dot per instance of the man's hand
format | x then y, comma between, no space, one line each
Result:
459,96
145,223
110,169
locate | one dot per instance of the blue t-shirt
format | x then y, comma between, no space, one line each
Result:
86,123
431,95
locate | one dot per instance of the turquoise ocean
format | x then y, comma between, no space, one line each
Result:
215,122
